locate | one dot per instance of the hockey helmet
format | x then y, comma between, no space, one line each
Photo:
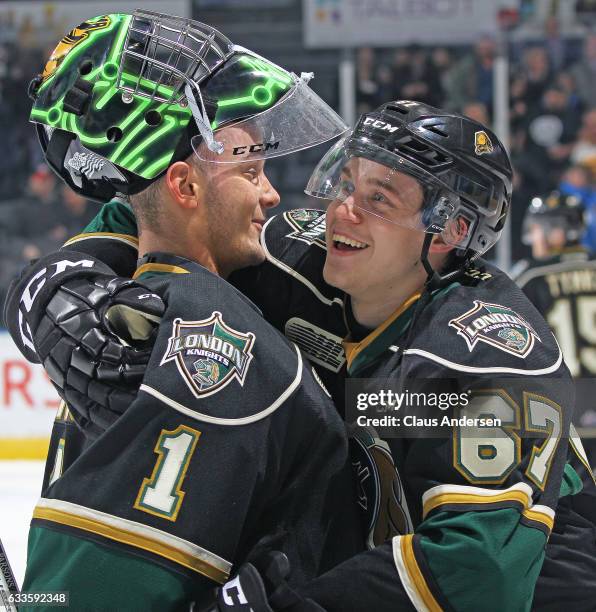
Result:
556,211
462,173
123,96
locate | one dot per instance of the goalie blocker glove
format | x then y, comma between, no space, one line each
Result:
92,332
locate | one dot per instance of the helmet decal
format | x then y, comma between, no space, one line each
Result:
482,143
74,38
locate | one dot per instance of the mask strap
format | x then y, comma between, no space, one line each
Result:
202,120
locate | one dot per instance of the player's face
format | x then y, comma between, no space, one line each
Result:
383,255
237,196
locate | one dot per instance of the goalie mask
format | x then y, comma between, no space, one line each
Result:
122,97
423,168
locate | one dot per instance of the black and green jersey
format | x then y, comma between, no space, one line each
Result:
460,522
231,449
563,289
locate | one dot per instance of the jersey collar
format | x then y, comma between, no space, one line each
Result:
361,354
158,264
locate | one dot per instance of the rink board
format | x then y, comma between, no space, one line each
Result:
28,405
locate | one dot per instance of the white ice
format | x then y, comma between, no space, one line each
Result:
20,485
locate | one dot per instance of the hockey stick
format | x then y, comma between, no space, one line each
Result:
8,583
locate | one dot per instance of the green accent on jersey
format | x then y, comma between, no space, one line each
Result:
571,483
114,217
99,577
391,335
483,560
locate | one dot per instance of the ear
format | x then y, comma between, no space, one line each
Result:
455,232
184,184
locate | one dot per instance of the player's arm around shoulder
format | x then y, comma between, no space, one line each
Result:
174,490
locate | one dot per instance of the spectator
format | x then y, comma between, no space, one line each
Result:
420,80
476,111
550,131
584,151
584,72
555,44
535,72
471,78
578,181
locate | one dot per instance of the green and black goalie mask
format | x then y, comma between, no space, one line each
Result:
124,96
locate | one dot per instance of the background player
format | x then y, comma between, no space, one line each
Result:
560,281
232,449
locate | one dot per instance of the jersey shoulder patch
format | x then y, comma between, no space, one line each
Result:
215,358
295,242
488,327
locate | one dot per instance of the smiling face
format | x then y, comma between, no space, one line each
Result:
374,237
237,196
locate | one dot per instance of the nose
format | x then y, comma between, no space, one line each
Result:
347,210
269,197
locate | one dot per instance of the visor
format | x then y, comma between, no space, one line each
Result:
376,182
300,119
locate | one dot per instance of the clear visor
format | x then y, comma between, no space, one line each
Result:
393,190
298,121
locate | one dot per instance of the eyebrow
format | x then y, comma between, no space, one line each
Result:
387,186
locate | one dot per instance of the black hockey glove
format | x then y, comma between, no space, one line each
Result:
265,591
92,332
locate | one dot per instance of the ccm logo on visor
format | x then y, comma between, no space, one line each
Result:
255,148
385,127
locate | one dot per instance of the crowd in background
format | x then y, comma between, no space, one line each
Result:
552,89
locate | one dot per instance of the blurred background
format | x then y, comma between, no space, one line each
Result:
525,67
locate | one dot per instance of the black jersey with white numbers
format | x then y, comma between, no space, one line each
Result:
231,449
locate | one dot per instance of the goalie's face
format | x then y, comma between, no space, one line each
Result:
237,197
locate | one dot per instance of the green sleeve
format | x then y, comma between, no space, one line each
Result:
101,578
110,237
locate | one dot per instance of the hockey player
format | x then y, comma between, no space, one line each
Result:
459,522
231,449
560,280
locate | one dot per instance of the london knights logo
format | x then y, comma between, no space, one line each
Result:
498,326
309,225
209,353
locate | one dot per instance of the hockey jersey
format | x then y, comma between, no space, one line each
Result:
468,537
231,449
460,521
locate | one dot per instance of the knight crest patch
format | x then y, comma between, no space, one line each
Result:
309,225
498,326
482,143
209,354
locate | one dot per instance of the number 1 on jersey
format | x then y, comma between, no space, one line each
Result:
161,494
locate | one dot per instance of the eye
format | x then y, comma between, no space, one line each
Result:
346,187
252,174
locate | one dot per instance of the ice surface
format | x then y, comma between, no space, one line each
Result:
20,485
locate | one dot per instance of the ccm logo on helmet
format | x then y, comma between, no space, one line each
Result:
255,148
386,127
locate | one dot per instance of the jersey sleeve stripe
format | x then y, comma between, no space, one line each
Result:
125,238
411,576
519,495
542,515
135,535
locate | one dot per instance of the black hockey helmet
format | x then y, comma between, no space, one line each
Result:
463,169
556,210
